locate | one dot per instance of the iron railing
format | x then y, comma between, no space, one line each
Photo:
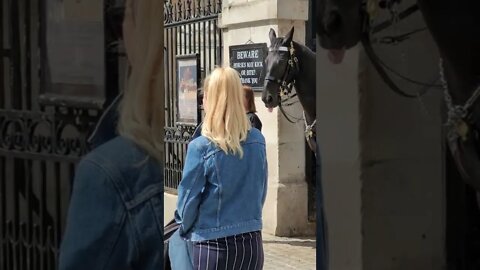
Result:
40,142
190,28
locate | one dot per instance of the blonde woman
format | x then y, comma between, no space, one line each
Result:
224,183
115,217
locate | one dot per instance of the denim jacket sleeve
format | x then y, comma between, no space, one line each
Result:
95,222
265,164
190,189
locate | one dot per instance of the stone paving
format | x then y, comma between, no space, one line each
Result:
289,253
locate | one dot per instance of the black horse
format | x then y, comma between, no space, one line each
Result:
290,64
455,27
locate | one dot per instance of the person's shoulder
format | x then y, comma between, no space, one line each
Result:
119,156
126,164
116,149
254,135
200,143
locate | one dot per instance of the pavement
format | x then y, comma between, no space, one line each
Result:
284,253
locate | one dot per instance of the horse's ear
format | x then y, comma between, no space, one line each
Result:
272,35
288,37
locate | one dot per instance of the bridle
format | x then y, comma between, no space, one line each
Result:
285,87
287,81
458,124
369,11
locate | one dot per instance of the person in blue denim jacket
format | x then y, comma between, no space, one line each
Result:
115,216
224,183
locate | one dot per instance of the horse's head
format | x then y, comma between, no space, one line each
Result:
340,26
277,67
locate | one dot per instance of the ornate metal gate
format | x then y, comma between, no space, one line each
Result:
45,119
190,28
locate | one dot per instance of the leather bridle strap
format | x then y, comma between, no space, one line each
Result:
287,81
374,59
404,14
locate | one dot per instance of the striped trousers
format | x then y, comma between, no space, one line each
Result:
238,252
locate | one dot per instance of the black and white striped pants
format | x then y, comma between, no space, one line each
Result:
238,252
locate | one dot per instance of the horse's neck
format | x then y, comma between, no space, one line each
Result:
305,81
455,27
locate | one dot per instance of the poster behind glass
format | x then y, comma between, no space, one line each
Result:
187,86
74,51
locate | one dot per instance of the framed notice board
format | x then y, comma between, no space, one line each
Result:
188,82
249,61
73,53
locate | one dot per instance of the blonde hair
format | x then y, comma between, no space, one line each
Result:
140,111
225,122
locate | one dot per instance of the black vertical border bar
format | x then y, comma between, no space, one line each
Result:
322,254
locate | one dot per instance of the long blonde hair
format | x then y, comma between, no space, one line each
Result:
225,121
140,111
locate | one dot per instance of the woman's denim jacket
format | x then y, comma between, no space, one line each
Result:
222,195
115,217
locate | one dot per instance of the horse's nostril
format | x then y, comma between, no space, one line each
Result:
332,22
269,99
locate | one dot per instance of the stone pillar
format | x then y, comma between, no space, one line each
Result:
382,168
243,21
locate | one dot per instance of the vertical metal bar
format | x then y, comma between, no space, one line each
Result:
36,257
28,194
184,42
16,94
20,245
42,40
204,42
34,46
18,176
168,68
215,32
47,246
3,202
2,62
42,228
190,45
220,43
194,38
28,60
210,44
9,246
8,212
198,48
174,41
171,49
57,217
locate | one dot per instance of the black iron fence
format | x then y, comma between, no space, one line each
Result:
191,27
43,132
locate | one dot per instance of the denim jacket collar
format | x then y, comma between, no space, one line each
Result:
106,128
